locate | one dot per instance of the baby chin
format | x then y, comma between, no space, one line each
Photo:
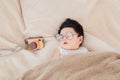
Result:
66,46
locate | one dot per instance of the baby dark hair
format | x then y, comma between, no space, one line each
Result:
69,23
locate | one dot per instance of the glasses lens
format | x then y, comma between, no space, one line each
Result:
58,37
69,35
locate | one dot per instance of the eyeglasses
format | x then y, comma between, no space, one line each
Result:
68,35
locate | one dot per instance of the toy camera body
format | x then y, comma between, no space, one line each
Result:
34,43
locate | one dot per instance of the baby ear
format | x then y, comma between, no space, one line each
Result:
81,38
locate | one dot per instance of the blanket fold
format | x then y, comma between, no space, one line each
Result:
91,66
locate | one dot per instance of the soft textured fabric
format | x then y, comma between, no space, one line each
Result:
91,66
67,52
20,19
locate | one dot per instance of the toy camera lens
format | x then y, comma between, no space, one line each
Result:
33,45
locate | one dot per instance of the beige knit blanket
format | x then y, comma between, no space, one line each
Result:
91,66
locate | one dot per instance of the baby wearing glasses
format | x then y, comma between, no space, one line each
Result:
70,38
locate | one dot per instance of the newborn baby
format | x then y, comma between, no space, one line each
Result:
70,37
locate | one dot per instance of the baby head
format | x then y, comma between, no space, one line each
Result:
70,34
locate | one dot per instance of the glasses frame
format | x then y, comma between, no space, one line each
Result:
61,37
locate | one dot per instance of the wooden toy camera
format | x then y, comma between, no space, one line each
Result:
34,43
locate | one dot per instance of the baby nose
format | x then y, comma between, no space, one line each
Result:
64,38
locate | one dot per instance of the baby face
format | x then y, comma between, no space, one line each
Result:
69,39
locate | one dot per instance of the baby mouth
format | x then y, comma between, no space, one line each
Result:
65,43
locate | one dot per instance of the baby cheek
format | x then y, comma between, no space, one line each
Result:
75,43
60,43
